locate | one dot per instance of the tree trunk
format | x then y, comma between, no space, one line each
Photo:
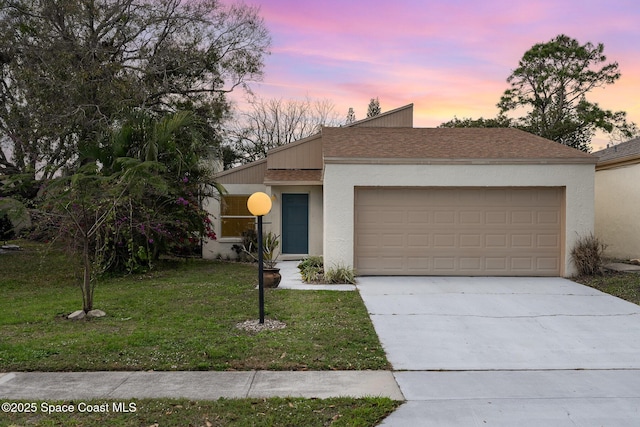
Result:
87,291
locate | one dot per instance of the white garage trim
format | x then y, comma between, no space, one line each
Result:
340,181
466,231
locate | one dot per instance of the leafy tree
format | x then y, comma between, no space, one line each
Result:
552,82
271,123
230,157
351,116
139,200
71,70
164,214
84,202
498,122
374,108
6,227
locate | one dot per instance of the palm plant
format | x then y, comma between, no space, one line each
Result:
270,244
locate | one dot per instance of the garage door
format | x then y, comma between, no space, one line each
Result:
458,231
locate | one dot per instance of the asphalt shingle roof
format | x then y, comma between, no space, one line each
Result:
444,143
625,149
293,175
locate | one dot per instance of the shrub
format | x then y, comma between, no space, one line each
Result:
340,274
249,249
312,271
249,240
311,261
6,227
312,274
587,255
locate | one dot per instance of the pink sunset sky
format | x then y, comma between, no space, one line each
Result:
449,58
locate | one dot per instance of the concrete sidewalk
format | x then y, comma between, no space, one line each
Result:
197,385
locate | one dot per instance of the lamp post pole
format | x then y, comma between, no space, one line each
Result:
259,204
260,271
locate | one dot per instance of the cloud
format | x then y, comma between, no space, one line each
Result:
448,58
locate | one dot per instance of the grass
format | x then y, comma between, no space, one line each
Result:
180,317
223,412
621,285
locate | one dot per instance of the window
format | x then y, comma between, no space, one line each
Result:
235,216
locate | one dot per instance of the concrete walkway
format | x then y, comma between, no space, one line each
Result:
623,267
291,279
196,385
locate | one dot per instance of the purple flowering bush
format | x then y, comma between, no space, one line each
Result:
140,199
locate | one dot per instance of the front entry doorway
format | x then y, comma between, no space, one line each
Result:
295,223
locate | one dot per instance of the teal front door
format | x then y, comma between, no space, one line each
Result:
295,223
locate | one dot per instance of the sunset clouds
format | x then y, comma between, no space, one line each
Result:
449,58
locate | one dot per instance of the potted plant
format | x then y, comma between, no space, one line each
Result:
271,274
270,243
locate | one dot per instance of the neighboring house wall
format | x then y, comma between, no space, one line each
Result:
617,201
340,181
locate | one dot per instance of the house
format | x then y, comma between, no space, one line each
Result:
390,199
617,199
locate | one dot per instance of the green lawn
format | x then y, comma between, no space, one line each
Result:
223,412
621,285
181,317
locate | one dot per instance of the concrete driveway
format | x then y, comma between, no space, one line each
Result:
507,351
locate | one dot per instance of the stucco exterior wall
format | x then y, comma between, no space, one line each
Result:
617,211
341,179
222,246
271,222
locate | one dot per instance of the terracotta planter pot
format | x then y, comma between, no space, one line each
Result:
271,277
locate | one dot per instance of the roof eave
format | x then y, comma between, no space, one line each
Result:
293,144
239,168
386,113
458,161
291,183
618,162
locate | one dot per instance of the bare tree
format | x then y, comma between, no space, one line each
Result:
270,123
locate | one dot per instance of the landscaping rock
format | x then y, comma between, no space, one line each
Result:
256,326
96,313
620,266
77,315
